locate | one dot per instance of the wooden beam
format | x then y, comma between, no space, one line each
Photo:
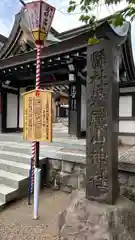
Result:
77,43
66,82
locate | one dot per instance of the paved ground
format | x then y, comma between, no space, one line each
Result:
16,221
123,149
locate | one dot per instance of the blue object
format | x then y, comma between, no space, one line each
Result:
30,183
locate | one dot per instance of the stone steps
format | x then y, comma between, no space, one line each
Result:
2,204
15,157
14,172
12,179
7,193
14,167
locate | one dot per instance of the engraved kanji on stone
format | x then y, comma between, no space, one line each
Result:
98,59
102,120
99,180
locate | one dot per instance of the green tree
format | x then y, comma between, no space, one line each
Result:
86,7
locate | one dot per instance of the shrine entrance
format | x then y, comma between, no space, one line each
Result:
63,70
64,73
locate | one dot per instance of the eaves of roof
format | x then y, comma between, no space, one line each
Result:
14,35
64,47
3,39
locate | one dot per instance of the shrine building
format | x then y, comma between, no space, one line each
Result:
64,71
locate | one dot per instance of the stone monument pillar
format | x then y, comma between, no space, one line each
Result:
102,122
100,214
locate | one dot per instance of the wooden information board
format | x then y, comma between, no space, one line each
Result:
37,116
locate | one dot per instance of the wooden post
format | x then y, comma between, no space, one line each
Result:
75,108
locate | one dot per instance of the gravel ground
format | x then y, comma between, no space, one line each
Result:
16,221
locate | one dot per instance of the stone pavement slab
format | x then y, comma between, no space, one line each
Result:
61,141
72,151
128,155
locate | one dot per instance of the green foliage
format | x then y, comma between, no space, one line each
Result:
87,6
93,41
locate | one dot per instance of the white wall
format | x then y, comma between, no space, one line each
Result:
125,106
22,90
83,108
127,126
11,110
125,110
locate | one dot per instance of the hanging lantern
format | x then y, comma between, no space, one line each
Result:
36,20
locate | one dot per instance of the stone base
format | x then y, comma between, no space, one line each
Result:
87,220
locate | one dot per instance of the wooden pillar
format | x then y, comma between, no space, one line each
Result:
75,108
102,123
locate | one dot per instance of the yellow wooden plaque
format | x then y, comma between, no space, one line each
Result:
37,116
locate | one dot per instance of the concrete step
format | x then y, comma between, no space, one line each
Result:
2,205
14,167
19,155
15,155
8,155
14,172
12,179
7,193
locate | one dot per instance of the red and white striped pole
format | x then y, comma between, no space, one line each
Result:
40,24
35,145
38,67
38,47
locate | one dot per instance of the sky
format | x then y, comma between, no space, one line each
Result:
62,20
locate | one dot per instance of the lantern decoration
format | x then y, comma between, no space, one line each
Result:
36,20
